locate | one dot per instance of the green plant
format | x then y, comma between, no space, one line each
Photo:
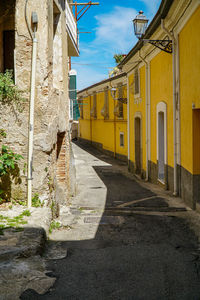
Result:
2,134
24,168
8,167
15,222
8,160
118,58
26,213
54,225
36,202
9,92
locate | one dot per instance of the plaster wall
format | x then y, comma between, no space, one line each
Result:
51,101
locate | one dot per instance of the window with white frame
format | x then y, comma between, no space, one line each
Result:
161,111
121,139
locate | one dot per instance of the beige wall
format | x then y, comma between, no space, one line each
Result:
51,103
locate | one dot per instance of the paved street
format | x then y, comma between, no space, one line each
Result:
125,239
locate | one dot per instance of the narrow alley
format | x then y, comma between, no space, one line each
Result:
124,239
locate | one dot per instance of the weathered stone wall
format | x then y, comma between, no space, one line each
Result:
51,103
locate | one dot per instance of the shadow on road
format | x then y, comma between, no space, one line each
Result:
143,248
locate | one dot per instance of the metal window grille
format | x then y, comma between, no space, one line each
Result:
121,136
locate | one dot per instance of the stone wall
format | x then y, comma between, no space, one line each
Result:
51,103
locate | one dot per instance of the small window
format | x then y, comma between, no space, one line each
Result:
121,136
136,82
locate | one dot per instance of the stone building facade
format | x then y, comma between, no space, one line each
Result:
57,41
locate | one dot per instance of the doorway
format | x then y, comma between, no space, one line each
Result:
138,145
8,49
161,147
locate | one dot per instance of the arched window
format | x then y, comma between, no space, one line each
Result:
161,139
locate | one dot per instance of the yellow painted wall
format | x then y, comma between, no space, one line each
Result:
138,106
189,89
162,90
84,124
104,131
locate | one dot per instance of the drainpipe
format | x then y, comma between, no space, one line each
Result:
31,105
171,35
90,121
147,102
114,125
128,119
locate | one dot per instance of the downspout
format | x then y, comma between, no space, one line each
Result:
31,105
114,125
90,121
114,134
147,102
171,35
128,119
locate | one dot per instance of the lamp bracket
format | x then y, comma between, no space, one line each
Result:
164,45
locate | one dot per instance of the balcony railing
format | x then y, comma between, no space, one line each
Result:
71,23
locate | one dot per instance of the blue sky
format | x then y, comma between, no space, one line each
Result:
112,32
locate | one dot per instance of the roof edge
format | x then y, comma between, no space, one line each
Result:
102,82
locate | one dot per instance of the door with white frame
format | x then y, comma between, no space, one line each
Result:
138,143
161,140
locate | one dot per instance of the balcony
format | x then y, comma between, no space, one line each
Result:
72,31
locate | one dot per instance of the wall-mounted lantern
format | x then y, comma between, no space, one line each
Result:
140,25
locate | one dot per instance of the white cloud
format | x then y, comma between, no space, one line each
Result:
115,29
88,76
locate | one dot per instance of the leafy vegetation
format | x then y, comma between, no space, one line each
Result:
118,58
8,167
36,202
8,160
54,225
9,92
15,222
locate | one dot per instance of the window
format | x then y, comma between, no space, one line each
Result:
121,139
93,112
120,96
8,49
161,139
118,110
136,82
105,109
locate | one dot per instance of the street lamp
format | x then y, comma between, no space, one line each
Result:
140,25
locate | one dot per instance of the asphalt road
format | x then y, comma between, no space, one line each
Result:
143,248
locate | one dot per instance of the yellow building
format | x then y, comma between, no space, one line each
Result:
103,110
163,102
